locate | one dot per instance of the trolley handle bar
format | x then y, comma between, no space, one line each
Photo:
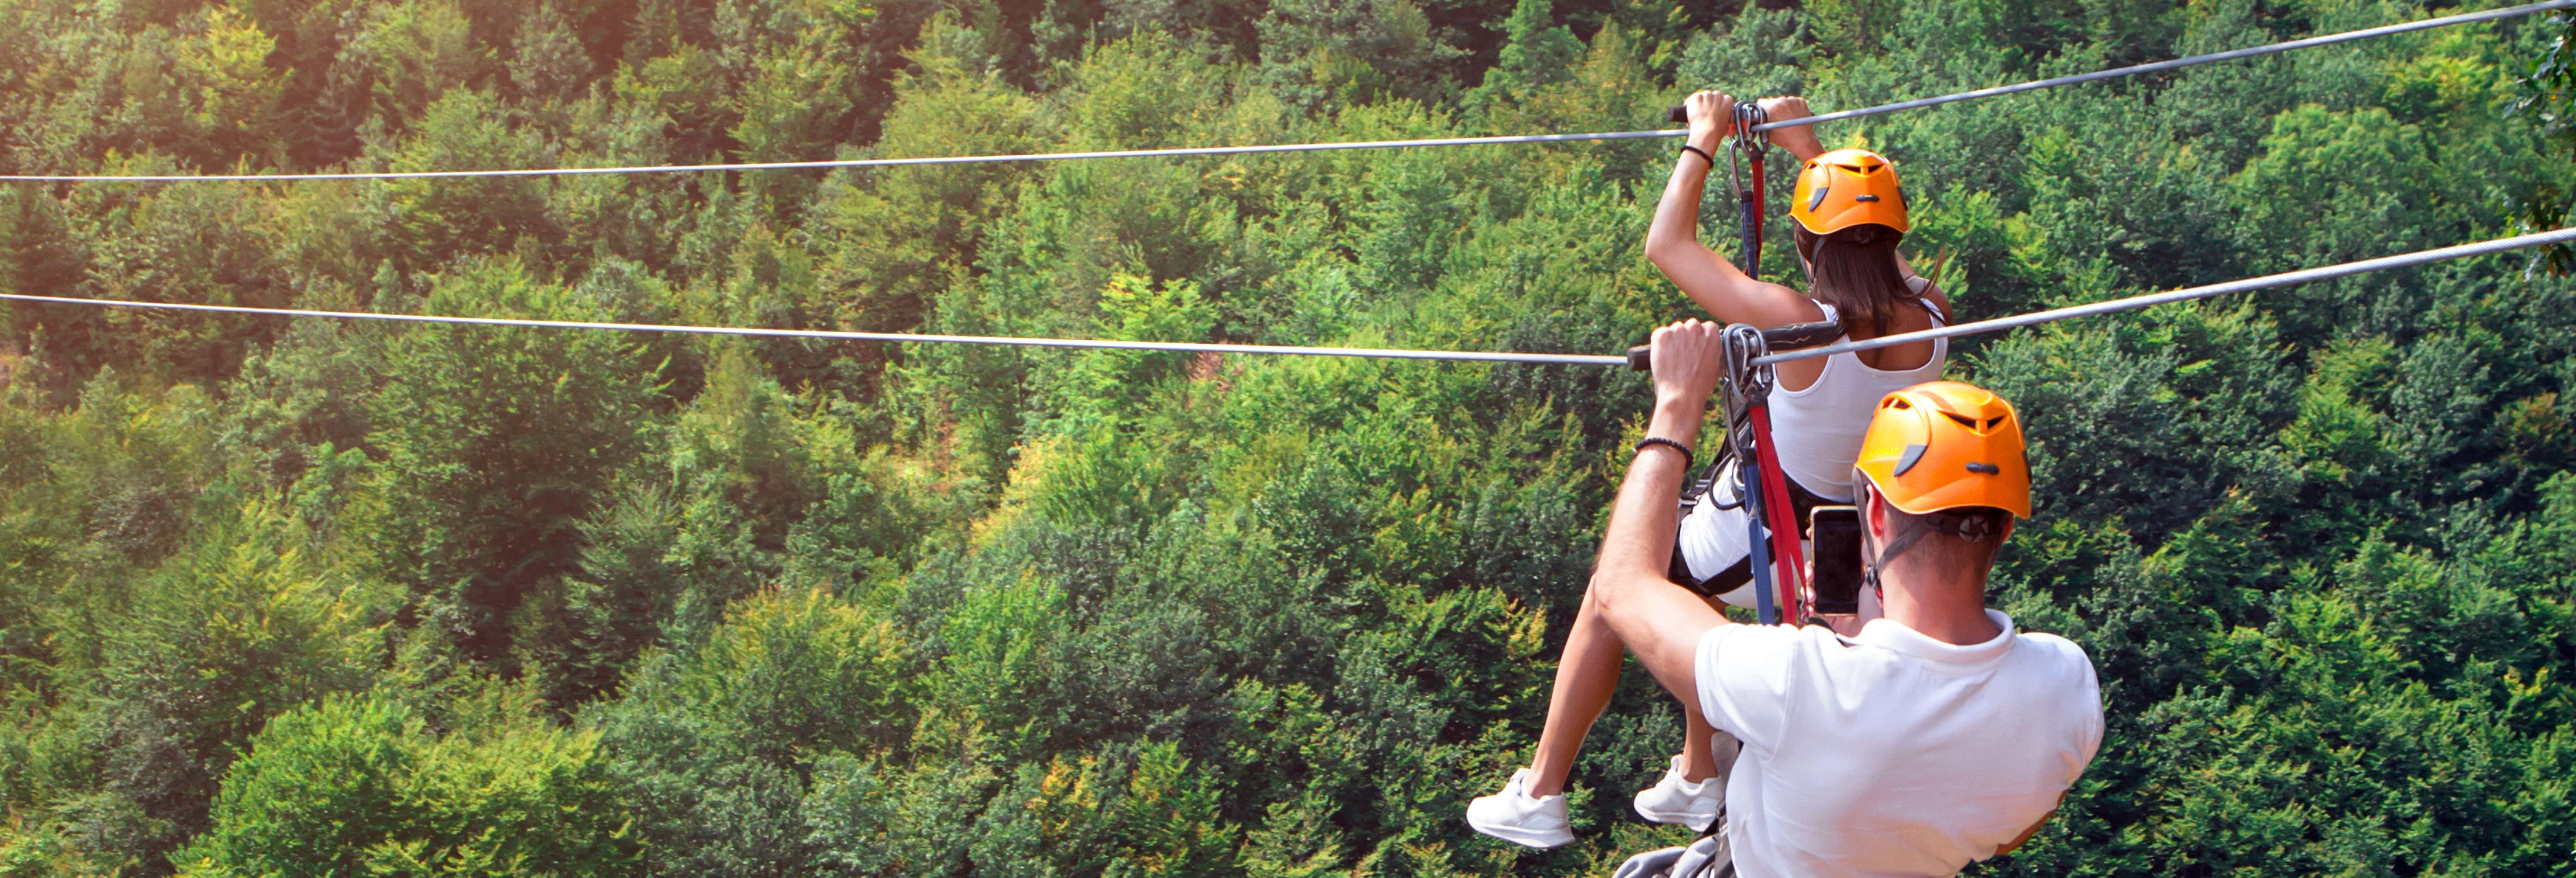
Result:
1778,338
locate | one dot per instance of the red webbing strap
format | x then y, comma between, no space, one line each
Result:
1788,560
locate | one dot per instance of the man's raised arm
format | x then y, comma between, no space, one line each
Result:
1660,622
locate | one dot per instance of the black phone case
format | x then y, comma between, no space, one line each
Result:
1836,536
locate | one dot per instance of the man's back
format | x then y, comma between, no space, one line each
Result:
1892,753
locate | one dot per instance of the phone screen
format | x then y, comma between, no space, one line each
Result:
1837,542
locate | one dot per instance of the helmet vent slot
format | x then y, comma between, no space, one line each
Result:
1913,455
1964,421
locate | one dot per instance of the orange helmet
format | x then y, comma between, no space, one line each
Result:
1946,445
1846,188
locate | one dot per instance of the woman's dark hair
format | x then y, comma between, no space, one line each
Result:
1855,271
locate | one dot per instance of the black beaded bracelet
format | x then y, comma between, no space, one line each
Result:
1643,444
1712,160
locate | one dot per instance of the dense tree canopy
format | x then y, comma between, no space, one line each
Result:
286,597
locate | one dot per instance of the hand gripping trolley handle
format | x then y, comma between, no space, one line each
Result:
1778,565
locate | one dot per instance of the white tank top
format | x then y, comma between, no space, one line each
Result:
1817,431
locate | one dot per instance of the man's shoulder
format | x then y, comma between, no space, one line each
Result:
2052,641
2059,666
1744,637
2056,648
1746,632
1766,651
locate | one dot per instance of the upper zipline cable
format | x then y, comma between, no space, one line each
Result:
2499,245
2133,70
2159,66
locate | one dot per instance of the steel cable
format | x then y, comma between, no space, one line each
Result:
841,335
2499,245
2178,63
2153,67
2132,303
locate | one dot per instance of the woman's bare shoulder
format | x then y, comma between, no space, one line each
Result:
1931,292
1761,303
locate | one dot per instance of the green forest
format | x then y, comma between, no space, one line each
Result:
299,597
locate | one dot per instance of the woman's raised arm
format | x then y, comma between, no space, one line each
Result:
1799,140
1672,242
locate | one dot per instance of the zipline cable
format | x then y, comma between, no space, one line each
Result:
2132,303
998,340
856,163
2158,66
2560,236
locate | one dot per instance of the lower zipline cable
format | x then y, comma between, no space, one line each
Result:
2499,245
2132,303
2132,70
998,340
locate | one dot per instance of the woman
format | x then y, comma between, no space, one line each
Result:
1849,218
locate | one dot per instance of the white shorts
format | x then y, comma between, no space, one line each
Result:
1716,544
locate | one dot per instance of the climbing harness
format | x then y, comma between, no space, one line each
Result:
1707,856
1761,488
1772,523
1781,565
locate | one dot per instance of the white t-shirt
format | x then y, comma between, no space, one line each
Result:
1892,753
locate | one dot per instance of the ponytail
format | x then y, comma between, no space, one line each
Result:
1855,270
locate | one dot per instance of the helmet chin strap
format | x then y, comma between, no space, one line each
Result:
1871,561
1973,527
1878,560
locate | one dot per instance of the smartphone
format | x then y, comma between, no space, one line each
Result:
1835,531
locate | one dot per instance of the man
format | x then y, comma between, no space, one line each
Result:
1936,736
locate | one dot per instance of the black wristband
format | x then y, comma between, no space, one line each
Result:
1712,160
1643,444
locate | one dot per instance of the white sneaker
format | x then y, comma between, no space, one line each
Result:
1514,815
1678,801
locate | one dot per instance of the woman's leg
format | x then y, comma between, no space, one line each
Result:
1699,763
1719,544
1586,676
1702,754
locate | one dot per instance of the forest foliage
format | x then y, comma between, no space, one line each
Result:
297,597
